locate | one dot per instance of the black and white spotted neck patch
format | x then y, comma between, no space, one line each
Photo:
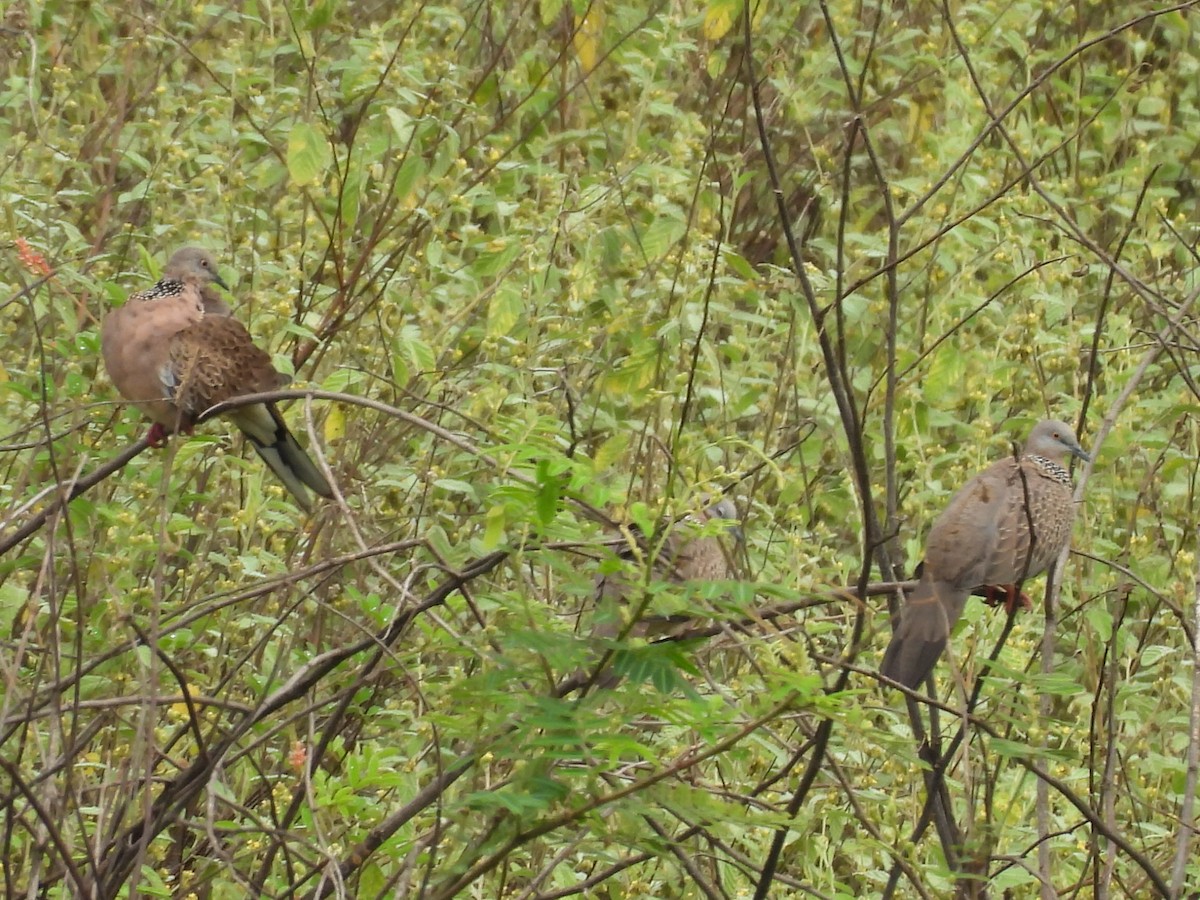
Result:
165,288
1050,469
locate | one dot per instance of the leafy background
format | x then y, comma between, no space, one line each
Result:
533,252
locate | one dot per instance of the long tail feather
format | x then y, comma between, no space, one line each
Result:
264,427
921,633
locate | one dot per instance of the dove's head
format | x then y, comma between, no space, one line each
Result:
193,265
726,509
1054,440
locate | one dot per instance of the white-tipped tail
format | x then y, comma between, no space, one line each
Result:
264,427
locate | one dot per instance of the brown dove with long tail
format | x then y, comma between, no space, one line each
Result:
988,536
173,351
684,551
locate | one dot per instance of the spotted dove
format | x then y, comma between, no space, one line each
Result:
984,539
173,351
680,555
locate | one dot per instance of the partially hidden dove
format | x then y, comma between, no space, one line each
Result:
681,555
174,351
988,536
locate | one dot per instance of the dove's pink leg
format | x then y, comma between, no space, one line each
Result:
1006,595
156,437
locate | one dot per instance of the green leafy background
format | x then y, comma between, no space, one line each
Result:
543,240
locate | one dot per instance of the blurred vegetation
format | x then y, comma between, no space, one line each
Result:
542,239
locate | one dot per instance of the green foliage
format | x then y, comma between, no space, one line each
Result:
544,243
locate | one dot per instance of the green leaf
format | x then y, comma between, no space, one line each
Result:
944,378
402,123
351,195
1056,683
738,265
494,261
1100,619
661,236
660,664
720,17
549,491
308,154
341,379
611,451
505,310
493,529
321,14
409,176
633,375
455,486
